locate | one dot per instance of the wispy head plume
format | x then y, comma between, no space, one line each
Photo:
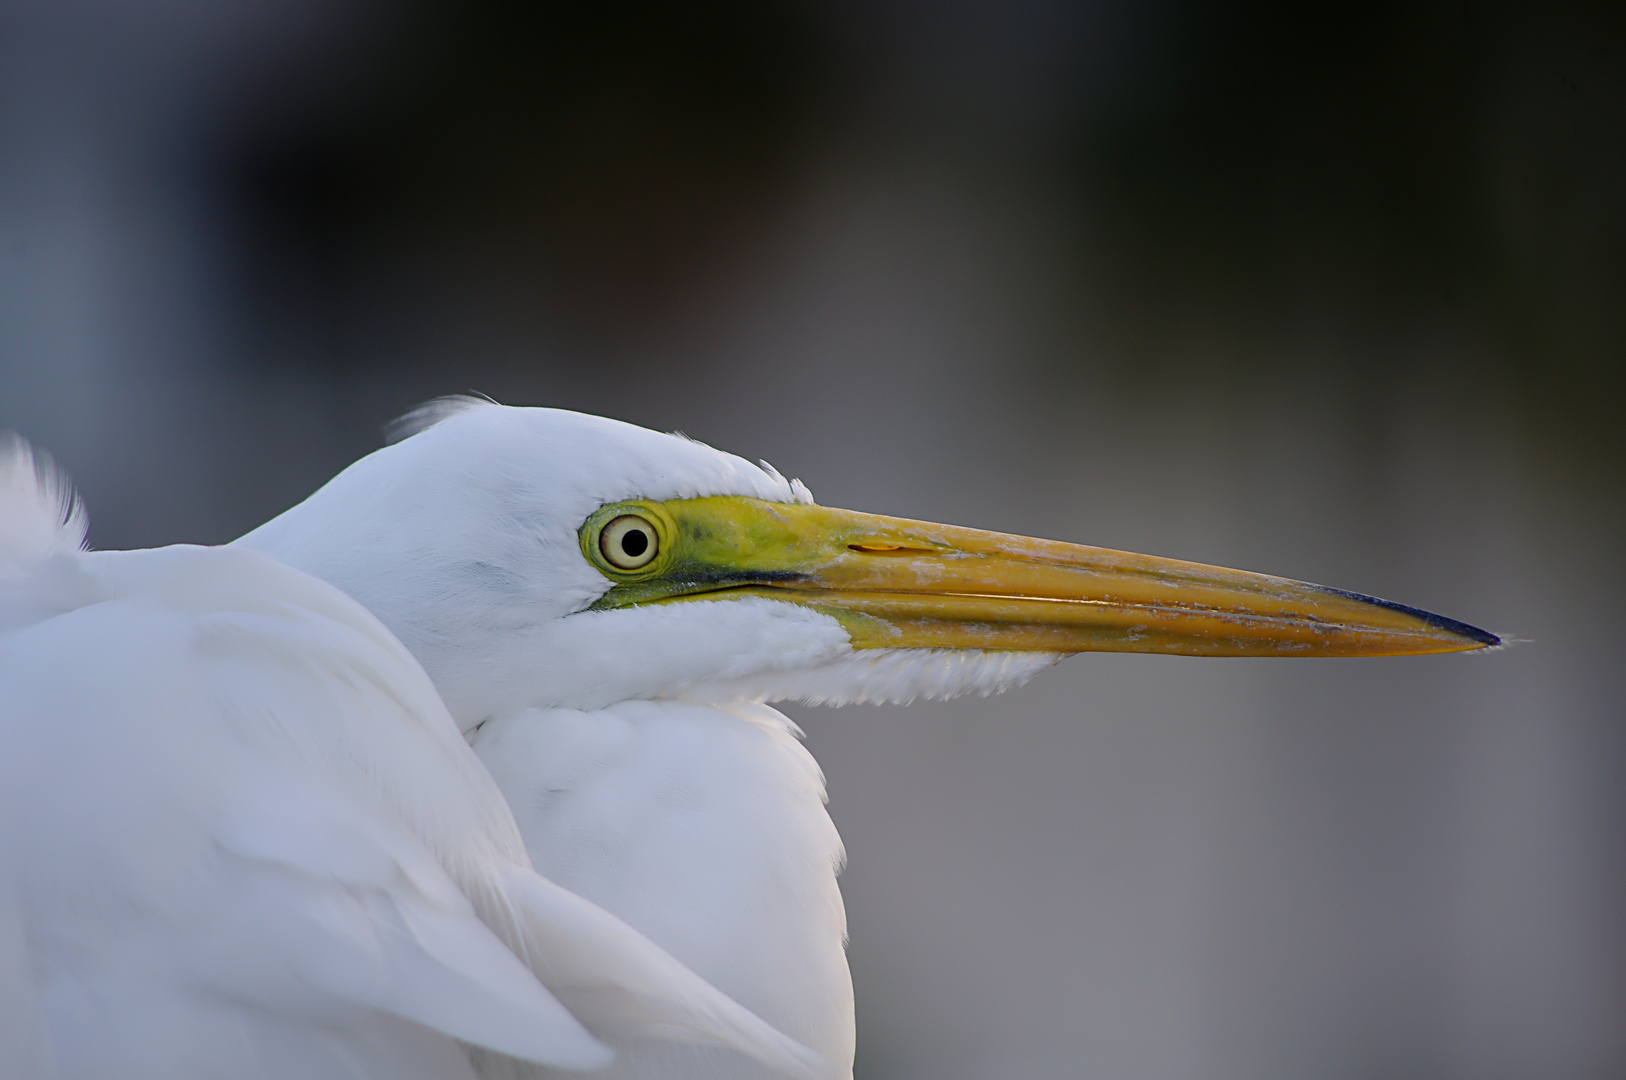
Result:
39,510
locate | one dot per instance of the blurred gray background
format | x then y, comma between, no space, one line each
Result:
1336,292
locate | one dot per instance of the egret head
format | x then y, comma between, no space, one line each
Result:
544,557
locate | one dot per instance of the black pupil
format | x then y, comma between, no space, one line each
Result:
634,542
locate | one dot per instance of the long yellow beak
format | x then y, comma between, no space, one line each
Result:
895,583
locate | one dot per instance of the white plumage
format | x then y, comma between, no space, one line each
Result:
701,821
704,827
241,836
242,833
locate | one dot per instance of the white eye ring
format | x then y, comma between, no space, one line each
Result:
629,542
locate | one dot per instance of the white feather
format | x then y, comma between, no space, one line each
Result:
240,825
42,531
430,413
632,744
882,677
462,538
241,836
217,855
704,827
43,515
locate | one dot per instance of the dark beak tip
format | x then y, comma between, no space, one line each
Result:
1483,638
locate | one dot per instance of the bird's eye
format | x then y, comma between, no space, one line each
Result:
629,542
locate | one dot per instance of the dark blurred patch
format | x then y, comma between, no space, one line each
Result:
1375,171
589,154
1366,188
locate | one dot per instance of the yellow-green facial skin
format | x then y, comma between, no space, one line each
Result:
722,547
894,583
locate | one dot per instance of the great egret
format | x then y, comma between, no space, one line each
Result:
605,612
240,836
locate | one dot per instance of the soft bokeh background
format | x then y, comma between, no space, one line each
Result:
1334,293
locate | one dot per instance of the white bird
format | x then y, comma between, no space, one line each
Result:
240,836
605,612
